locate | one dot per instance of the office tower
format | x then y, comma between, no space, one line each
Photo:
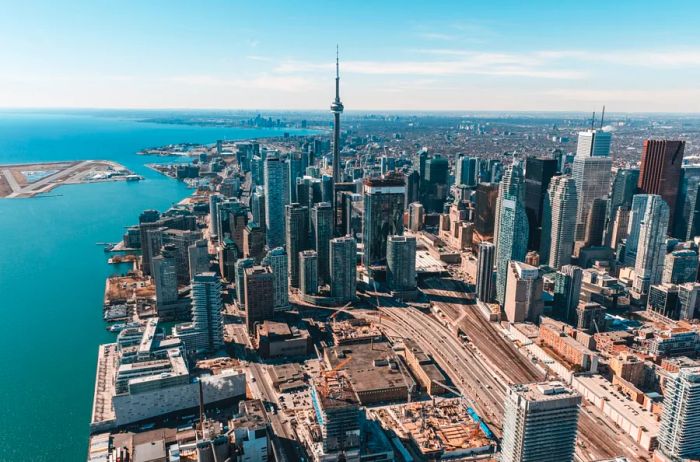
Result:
294,171
383,215
326,184
241,265
663,300
486,200
181,240
567,291
511,238
387,164
151,244
484,275
592,177
343,267
259,296
624,187
679,432
619,226
495,171
466,171
308,272
687,204
593,143
321,235
228,255
274,201
435,182
595,223
416,215
336,109
401,263
297,238
680,266
540,423
198,254
538,174
254,241
207,304
257,206
412,187
512,185
276,259
651,249
523,297
660,172
165,278
561,214
214,200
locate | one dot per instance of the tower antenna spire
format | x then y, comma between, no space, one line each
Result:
602,117
593,121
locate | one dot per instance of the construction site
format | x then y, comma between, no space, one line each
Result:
436,430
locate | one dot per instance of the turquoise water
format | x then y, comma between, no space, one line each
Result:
52,274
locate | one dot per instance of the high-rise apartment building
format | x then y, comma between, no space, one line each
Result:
401,263
241,265
259,296
276,259
343,267
560,217
523,297
322,233
274,201
254,241
680,266
198,254
679,432
416,215
308,272
540,423
165,279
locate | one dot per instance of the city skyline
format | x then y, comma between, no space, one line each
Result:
459,57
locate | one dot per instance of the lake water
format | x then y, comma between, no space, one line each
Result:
52,273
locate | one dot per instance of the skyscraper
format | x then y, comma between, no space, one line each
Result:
485,213
274,201
511,238
207,304
343,267
687,203
624,187
538,174
416,215
308,272
595,223
523,298
276,259
680,266
257,206
466,170
679,432
297,238
651,250
321,235
484,275
259,296
241,265
253,241
198,254
540,423
165,279
634,223
660,172
567,291
593,143
435,183
592,177
383,215
214,200
401,263
563,204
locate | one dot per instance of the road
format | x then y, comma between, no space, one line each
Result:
284,443
598,438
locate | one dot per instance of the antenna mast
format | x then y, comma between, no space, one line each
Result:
602,117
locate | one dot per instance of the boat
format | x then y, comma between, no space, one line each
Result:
116,327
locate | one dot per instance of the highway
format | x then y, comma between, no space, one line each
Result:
598,438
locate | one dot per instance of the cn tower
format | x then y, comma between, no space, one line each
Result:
336,109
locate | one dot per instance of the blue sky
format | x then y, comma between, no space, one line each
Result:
423,55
